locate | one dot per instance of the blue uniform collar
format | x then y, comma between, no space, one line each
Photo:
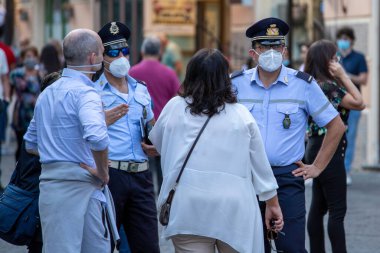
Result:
104,83
282,77
72,73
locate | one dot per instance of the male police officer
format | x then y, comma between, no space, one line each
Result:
281,99
130,180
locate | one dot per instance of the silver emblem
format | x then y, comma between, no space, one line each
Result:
114,29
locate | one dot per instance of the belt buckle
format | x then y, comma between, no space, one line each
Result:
133,167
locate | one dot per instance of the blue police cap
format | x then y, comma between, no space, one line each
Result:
114,35
268,31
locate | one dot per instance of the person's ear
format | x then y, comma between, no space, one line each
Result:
253,54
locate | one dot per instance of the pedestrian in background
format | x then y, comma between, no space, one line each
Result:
162,83
130,178
281,99
69,133
4,101
355,65
215,205
304,47
329,188
25,82
49,60
171,54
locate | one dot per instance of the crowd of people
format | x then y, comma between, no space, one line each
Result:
228,149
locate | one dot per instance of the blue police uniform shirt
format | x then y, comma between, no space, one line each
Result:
289,96
68,121
126,133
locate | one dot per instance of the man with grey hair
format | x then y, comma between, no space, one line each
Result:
162,84
69,133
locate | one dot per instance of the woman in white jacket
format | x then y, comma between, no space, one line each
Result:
215,204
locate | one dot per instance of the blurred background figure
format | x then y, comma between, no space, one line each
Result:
58,46
355,65
171,54
50,60
162,83
304,47
4,101
286,61
25,81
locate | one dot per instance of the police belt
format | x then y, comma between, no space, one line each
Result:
129,166
279,170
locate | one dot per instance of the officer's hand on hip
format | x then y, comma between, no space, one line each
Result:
149,150
116,113
306,170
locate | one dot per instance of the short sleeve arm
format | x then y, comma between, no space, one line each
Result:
149,109
264,182
3,64
91,116
318,106
362,65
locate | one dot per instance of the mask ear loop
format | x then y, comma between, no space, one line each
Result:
255,51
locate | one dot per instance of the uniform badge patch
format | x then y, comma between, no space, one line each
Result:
114,29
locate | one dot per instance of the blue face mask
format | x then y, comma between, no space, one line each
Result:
343,44
286,62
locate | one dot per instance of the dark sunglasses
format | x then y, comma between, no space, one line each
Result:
273,235
116,52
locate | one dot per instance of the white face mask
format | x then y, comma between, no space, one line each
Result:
270,60
119,68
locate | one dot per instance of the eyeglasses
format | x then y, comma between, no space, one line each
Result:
273,235
116,52
264,48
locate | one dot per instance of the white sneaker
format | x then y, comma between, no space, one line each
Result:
349,180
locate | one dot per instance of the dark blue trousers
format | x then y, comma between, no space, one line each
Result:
136,210
291,195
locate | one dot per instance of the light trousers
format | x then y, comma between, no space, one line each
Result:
199,244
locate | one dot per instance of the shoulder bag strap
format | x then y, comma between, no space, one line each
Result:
191,151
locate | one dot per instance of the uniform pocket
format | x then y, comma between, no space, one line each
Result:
288,115
287,108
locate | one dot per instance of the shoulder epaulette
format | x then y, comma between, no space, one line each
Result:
304,76
141,82
236,73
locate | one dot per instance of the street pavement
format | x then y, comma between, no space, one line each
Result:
362,221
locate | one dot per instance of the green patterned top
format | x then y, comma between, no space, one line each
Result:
335,94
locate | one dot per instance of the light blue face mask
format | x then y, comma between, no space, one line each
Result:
343,44
286,62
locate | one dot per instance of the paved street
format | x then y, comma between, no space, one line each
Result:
362,222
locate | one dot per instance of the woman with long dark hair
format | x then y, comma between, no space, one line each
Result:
215,203
329,188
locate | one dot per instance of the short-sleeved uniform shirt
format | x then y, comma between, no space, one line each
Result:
288,97
335,94
354,63
126,133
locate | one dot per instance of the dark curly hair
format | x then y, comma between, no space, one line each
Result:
207,83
